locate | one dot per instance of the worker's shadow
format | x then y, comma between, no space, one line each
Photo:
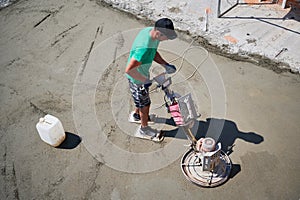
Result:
221,130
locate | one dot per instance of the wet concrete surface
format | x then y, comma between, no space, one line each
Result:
71,66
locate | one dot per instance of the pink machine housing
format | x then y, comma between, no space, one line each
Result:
183,111
175,112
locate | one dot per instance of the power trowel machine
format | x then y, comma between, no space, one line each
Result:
204,164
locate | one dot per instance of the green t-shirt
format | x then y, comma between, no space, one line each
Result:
143,50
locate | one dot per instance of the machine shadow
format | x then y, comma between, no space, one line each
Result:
71,141
221,130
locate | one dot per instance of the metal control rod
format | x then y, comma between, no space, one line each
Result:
190,136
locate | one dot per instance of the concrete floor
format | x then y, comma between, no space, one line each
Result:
49,67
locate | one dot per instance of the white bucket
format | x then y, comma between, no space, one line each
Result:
51,130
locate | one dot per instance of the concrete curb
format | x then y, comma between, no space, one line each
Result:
246,40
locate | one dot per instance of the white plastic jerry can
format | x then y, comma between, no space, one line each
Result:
51,130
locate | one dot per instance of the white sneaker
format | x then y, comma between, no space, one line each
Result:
135,118
149,134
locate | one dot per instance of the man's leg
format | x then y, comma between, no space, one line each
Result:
142,102
137,110
134,89
144,114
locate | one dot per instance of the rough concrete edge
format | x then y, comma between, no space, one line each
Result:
12,2
259,60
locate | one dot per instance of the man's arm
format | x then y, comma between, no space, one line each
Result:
131,70
170,69
159,59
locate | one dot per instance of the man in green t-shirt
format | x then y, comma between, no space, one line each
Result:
142,54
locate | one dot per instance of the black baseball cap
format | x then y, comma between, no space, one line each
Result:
165,26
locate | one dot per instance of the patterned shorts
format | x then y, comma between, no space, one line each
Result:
140,95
